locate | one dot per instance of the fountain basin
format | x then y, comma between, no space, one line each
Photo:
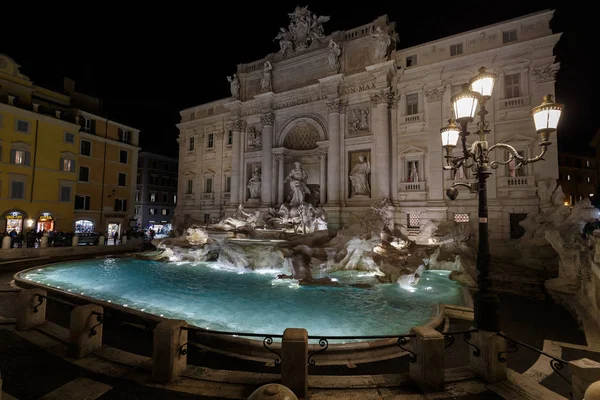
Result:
211,296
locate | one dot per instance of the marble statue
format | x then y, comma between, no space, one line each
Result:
254,138
304,29
239,219
297,179
254,184
360,120
359,177
265,82
285,41
234,86
334,55
382,42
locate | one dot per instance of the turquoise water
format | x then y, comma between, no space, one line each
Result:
207,295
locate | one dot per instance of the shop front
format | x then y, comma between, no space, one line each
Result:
84,226
45,222
15,220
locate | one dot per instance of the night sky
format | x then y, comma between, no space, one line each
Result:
149,62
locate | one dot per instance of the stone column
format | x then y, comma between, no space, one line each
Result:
380,154
168,361
85,333
294,361
266,173
435,172
31,308
323,176
333,166
237,127
485,362
428,369
281,162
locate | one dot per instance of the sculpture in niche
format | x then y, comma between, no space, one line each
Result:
239,219
360,120
265,82
382,42
359,177
254,184
304,29
234,86
285,41
298,189
334,55
254,138
413,171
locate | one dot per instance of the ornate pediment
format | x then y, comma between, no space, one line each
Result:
189,174
519,139
304,29
413,150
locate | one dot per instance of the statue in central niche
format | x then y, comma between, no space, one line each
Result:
298,189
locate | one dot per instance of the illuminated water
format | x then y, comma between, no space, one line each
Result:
206,295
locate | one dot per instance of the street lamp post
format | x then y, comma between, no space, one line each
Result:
473,97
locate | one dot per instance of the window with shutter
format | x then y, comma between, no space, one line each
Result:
17,190
84,174
122,179
22,126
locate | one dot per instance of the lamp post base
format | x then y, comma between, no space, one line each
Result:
486,311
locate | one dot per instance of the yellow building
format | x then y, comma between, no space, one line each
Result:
62,168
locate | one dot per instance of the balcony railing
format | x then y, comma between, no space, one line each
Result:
413,119
514,102
412,187
208,196
516,181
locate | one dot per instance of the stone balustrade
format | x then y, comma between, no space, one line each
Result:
412,186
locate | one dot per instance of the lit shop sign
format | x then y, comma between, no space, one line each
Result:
14,215
46,217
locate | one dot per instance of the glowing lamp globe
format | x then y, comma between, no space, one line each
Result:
465,104
450,134
546,116
483,83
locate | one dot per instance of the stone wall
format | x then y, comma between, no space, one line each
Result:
24,253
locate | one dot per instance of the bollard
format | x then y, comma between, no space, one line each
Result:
428,369
85,334
294,361
31,309
584,373
272,391
6,243
44,242
101,240
485,362
168,359
123,239
75,241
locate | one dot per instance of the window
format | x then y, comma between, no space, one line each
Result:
190,186
411,61
412,171
165,211
589,179
123,155
412,104
512,85
120,205
82,202
191,144
461,218
152,211
138,180
67,165
88,125
512,166
509,36
124,135
227,184
568,177
20,157
174,198
153,164
84,174
85,148
208,185
206,218
152,196
587,163
69,137
137,195
456,49
122,179
65,193
230,138
211,140
17,190
413,219
165,197
136,210
22,126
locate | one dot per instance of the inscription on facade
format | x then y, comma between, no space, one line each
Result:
297,102
247,113
359,88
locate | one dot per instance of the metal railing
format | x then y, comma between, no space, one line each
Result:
513,346
449,340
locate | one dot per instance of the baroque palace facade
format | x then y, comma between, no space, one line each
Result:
362,118
64,166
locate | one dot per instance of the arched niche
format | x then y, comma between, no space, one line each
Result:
302,133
